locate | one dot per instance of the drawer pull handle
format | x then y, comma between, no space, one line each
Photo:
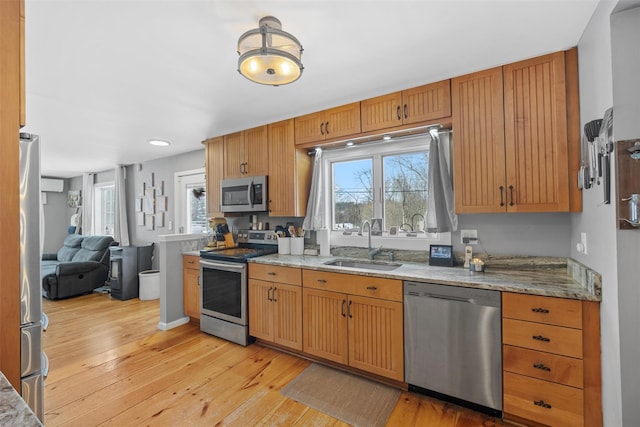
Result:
271,273
542,404
190,262
322,281
371,288
542,367
541,338
540,310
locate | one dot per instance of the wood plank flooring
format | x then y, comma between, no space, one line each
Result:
111,366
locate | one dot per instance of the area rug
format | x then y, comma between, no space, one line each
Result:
344,396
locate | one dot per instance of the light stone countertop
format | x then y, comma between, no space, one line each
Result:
13,409
555,282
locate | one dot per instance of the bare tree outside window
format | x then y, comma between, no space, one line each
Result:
405,190
353,193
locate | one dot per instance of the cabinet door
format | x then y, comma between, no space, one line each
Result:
535,110
23,96
342,121
375,336
287,315
256,152
214,149
478,146
381,112
191,288
260,309
309,128
324,325
289,172
234,157
428,102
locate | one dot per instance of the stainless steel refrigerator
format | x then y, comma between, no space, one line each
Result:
33,362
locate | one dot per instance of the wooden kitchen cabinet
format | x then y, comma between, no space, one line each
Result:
289,172
245,153
551,360
23,93
328,124
275,306
511,147
420,104
191,286
363,330
214,167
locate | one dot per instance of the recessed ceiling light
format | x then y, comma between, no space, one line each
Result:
159,142
349,144
386,137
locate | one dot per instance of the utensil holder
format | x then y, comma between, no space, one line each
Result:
284,245
297,245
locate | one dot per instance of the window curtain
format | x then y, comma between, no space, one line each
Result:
86,225
441,217
316,217
121,229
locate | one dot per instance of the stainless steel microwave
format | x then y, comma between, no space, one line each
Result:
244,194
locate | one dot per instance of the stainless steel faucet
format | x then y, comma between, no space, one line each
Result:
371,251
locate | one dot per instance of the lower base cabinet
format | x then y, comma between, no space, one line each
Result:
365,333
551,360
275,305
191,286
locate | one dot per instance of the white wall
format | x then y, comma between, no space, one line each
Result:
625,33
597,219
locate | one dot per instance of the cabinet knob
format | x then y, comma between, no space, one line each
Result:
371,288
541,338
271,273
322,281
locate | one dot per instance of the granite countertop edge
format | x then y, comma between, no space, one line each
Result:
572,281
13,409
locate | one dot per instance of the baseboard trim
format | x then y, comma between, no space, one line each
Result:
166,326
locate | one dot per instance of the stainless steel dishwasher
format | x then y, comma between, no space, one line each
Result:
453,344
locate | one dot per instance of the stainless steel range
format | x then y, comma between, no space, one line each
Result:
223,287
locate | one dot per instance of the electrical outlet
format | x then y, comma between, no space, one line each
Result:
469,237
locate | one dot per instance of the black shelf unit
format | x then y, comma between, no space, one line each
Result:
126,263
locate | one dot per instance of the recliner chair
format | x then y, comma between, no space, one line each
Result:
79,267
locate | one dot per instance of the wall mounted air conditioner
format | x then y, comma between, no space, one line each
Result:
53,185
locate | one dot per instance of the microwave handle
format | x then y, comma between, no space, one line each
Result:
251,193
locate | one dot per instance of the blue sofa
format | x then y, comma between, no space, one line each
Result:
79,267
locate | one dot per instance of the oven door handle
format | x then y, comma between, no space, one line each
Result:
239,267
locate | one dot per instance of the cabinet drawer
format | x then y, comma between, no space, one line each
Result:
191,261
545,366
275,273
549,310
545,402
537,336
374,287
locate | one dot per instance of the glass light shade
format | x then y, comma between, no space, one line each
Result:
269,55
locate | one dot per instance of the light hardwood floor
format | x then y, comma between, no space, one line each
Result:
111,366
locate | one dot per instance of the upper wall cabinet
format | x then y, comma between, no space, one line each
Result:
246,153
214,166
420,104
510,148
289,172
328,124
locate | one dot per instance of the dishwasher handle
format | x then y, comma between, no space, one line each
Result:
451,298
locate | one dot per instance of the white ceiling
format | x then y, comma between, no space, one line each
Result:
105,76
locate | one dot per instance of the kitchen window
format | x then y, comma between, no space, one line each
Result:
191,206
104,207
387,181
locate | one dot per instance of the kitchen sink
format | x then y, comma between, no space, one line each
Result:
363,264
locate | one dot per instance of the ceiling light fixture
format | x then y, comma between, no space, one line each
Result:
159,142
386,137
268,55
